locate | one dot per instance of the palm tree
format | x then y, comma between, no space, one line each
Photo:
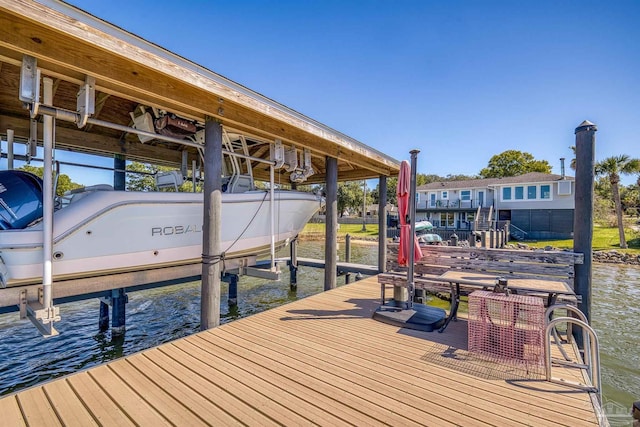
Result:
572,165
612,167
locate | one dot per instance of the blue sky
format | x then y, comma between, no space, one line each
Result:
459,80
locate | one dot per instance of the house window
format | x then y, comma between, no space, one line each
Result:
545,191
532,192
506,193
465,194
444,195
432,200
446,219
519,193
564,188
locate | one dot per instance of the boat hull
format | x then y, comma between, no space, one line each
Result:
112,231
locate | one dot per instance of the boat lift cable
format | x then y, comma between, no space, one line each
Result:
221,257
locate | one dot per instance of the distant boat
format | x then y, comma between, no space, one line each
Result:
102,231
423,227
431,239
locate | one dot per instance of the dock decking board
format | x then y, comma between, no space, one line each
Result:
446,386
11,413
317,361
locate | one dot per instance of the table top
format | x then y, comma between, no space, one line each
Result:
530,285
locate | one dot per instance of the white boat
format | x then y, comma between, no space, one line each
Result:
102,232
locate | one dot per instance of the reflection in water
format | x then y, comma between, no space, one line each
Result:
160,315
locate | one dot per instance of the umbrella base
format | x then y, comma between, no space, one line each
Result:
421,317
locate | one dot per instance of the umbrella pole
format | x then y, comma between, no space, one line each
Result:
412,223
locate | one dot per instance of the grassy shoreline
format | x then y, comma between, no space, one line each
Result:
604,238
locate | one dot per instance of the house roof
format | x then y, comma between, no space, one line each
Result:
530,177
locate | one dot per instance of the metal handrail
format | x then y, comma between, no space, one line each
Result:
524,233
592,353
581,316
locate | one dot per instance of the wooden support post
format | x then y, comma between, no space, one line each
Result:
119,166
331,232
118,312
293,265
103,320
382,223
583,215
233,289
347,257
483,242
9,149
210,291
492,239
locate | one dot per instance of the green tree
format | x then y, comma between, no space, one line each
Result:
630,198
64,182
513,163
140,177
612,167
392,183
459,177
350,197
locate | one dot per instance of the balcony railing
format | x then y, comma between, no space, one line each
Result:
444,204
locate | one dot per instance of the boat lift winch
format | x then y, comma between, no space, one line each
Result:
43,313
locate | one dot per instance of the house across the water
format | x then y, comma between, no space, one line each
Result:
532,206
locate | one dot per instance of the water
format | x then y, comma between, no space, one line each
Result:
616,319
165,314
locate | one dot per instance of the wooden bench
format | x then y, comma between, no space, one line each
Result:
510,264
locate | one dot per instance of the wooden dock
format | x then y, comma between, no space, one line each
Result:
320,360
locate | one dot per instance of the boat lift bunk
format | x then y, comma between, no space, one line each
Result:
36,300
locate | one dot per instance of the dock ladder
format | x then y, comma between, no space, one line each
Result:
591,356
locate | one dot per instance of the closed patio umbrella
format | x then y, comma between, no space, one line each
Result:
408,315
402,191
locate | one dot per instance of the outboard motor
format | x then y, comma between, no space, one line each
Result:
20,199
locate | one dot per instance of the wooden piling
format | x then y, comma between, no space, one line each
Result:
347,257
118,311
382,223
233,289
331,236
119,175
118,299
211,246
293,265
9,149
583,215
103,320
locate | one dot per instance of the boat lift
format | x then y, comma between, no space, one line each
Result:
40,310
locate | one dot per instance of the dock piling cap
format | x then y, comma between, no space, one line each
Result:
586,126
